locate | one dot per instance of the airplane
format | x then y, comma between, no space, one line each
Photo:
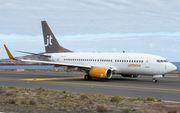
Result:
100,65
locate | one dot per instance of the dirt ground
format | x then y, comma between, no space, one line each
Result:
40,100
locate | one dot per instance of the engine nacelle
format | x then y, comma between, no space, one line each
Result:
124,75
100,72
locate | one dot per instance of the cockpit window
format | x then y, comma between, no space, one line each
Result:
165,61
161,61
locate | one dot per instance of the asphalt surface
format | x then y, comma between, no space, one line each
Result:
167,88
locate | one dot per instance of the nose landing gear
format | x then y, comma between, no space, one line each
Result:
154,80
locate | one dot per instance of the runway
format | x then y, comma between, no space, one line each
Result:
167,88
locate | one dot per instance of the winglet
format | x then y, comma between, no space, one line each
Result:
8,52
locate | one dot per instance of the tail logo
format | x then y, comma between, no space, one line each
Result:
49,38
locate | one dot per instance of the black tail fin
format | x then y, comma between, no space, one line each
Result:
50,42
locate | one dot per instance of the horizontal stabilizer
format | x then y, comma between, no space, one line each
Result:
35,53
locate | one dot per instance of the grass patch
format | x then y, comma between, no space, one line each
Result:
12,101
101,108
150,99
9,94
159,100
2,91
83,97
12,87
115,99
173,111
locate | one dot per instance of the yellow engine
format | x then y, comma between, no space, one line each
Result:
100,72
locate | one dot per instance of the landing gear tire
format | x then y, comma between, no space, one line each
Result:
87,77
154,80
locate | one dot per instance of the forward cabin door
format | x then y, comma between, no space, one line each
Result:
147,65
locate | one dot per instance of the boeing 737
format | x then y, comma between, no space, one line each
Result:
100,65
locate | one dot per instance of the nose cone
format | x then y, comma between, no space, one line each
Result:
172,67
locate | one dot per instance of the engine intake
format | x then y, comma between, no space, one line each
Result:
100,73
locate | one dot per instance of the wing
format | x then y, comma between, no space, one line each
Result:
46,62
57,63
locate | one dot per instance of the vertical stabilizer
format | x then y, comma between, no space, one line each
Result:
50,42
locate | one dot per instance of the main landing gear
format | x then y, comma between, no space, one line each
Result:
87,77
154,80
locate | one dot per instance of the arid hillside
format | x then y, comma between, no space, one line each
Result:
28,57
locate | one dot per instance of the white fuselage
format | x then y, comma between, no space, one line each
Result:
122,63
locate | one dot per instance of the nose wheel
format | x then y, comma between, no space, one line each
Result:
87,77
154,80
